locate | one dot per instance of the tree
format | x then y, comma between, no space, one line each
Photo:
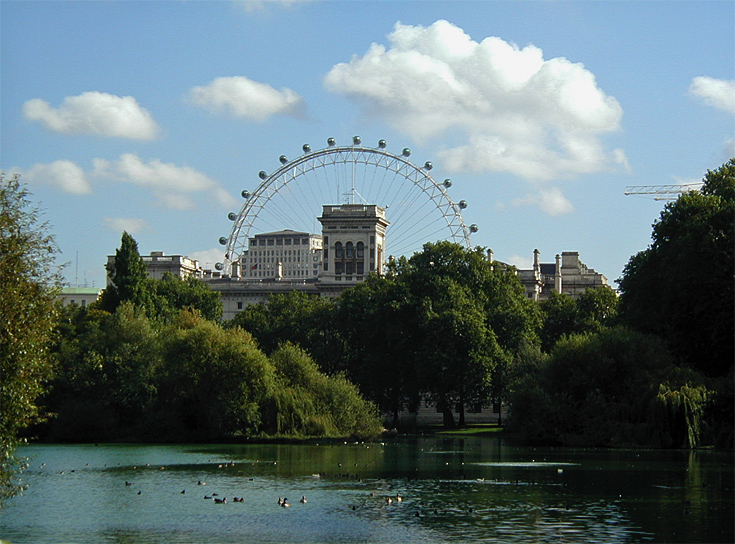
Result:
617,387
128,278
29,284
173,294
681,287
296,317
105,367
440,325
562,315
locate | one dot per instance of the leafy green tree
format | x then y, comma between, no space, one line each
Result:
681,287
29,284
173,294
562,315
439,325
617,387
212,383
310,403
296,317
128,278
105,370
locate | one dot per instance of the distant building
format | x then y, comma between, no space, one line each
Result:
354,242
566,275
158,264
286,254
81,296
351,246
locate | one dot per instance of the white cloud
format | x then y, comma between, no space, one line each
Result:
208,257
729,149
172,185
248,99
539,119
63,174
128,224
551,201
95,113
522,263
718,93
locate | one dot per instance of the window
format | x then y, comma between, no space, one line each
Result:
350,248
239,305
360,267
349,267
337,268
360,250
338,251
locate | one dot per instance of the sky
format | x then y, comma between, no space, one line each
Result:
153,116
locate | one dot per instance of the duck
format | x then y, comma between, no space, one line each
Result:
303,499
399,498
285,504
280,501
223,500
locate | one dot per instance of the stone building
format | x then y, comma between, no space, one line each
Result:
81,296
567,274
286,254
157,264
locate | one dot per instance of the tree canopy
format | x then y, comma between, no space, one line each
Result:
29,284
681,287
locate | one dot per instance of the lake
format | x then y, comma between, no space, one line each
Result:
441,489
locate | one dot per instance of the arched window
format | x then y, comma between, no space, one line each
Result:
338,252
360,250
350,250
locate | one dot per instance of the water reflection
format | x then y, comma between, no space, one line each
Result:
409,490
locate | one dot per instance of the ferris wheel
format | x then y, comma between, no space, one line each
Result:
418,208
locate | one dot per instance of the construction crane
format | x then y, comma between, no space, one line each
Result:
662,192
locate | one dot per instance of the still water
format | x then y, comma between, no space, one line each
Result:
451,490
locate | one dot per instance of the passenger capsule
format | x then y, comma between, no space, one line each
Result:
406,152
463,204
232,216
245,194
306,148
262,174
447,183
382,144
283,159
219,266
473,228
356,140
331,142
223,240
428,165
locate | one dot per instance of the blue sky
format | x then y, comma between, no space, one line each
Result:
153,116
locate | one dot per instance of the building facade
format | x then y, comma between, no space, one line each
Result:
286,254
567,274
158,263
81,296
354,242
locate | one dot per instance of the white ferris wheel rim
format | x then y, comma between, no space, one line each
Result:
376,157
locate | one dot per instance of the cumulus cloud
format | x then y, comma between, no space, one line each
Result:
520,262
248,99
208,257
95,113
520,113
63,174
718,93
551,200
128,224
173,186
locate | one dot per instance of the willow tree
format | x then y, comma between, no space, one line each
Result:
29,284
